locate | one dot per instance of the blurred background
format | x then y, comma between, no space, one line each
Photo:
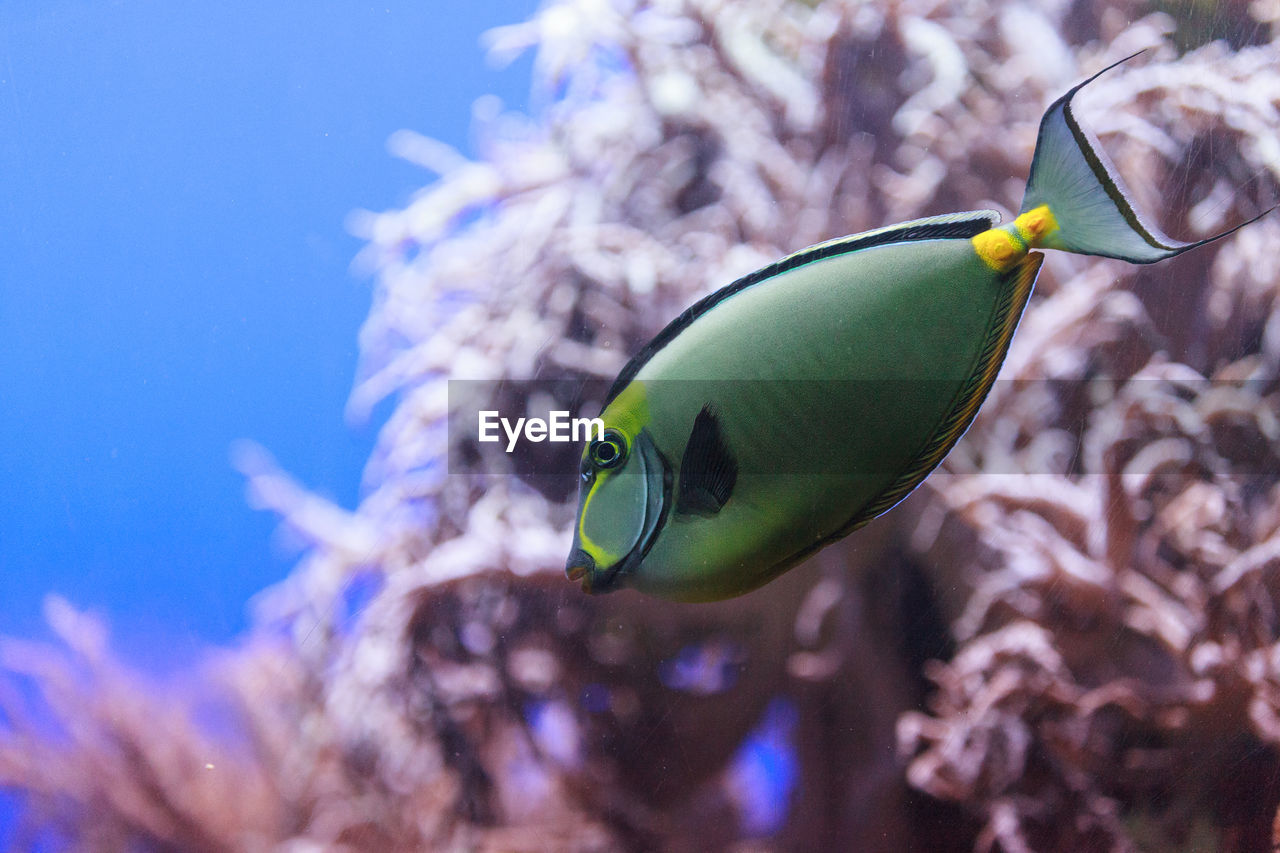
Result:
174,276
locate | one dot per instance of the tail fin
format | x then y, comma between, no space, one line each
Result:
1072,176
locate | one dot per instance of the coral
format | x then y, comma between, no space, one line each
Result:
103,764
1065,640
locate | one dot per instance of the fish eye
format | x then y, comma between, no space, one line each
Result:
608,451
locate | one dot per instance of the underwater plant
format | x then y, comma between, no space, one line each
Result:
1065,639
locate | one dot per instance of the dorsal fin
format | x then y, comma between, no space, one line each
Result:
951,225
708,469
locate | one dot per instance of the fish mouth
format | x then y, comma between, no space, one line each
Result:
581,566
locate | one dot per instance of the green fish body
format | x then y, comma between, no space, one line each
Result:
791,407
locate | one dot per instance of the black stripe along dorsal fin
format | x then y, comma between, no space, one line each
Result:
947,226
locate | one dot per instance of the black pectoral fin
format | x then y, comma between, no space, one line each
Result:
708,470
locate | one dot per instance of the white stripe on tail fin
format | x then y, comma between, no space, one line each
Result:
1072,176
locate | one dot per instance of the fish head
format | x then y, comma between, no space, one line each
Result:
624,493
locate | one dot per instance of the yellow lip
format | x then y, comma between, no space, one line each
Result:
580,572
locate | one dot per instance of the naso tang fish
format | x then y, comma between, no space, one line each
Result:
793,406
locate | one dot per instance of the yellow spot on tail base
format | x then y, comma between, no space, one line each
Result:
1035,225
999,249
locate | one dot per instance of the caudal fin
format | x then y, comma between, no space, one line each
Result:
1074,179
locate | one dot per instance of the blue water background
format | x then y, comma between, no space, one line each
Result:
174,276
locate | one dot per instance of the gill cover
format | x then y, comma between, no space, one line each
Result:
623,503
